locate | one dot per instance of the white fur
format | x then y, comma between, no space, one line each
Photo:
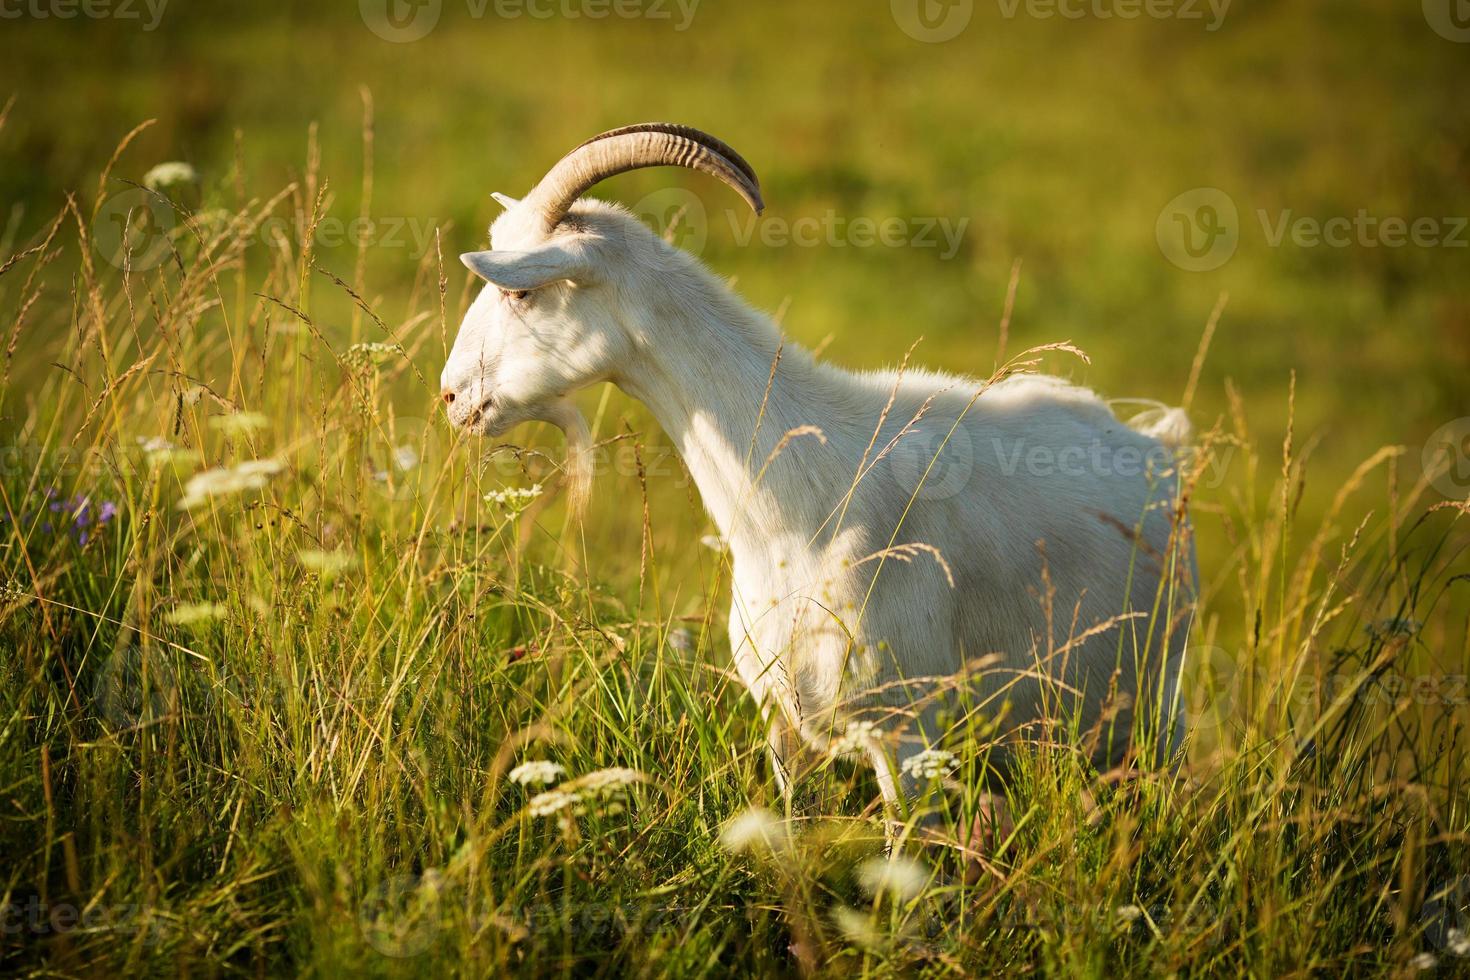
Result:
822,631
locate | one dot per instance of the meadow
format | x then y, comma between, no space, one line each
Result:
279,652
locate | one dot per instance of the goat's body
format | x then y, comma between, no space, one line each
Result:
906,547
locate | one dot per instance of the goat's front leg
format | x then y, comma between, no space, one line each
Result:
899,790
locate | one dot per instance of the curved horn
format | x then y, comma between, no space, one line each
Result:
688,132
635,148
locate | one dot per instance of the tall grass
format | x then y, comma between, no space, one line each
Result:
274,646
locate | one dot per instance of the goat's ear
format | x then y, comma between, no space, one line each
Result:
505,200
526,270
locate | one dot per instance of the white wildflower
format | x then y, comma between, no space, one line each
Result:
681,640
551,801
170,173
1128,913
327,564
196,613
930,764
369,353
859,737
756,828
901,877
1424,961
1458,942
250,475
215,220
605,781
160,450
156,444
715,543
856,926
512,498
239,423
537,773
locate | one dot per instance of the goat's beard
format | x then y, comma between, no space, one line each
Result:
578,467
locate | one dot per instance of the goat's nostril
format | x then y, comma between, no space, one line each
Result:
448,396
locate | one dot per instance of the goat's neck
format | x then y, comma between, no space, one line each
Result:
704,367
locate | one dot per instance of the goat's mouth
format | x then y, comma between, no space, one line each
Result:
477,421
496,416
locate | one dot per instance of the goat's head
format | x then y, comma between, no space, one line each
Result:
561,277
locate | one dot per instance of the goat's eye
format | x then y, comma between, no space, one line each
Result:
515,294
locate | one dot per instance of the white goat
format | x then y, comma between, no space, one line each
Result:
906,546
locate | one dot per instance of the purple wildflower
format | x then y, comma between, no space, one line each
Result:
76,516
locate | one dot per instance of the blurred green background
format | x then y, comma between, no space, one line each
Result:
1060,140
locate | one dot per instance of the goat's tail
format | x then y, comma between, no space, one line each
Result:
1170,426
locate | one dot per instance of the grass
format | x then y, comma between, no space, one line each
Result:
270,729
273,731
